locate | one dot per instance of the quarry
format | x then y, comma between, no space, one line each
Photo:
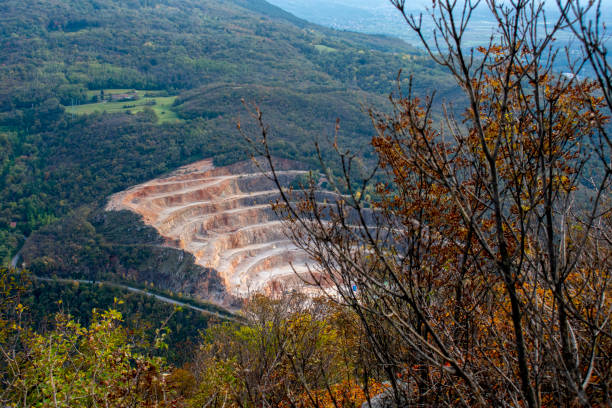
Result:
224,217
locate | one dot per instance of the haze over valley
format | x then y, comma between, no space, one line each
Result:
380,17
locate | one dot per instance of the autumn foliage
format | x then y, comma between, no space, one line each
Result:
74,366
512,298
483,263
292,351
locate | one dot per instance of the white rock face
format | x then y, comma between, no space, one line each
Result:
224,217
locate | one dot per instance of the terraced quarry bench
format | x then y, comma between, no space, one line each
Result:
224,217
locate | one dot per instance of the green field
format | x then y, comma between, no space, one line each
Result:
162,106
324,48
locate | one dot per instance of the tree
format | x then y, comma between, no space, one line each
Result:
74,366
291,351
483,269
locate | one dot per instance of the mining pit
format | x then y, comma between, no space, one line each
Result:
224,217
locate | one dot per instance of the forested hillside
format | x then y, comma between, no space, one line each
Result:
61,56
71,135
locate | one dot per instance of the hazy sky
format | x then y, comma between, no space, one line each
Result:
413,4
380,17
375,3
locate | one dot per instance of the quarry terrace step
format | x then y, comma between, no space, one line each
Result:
224,217
229,220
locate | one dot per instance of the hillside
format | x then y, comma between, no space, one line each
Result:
59,57
75,46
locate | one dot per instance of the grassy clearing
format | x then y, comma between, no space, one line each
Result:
162,105
324,48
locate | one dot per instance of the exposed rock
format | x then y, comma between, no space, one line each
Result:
223,216
387,399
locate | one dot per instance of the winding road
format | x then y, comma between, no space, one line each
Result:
140,291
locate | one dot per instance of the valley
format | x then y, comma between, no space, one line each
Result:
417,227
